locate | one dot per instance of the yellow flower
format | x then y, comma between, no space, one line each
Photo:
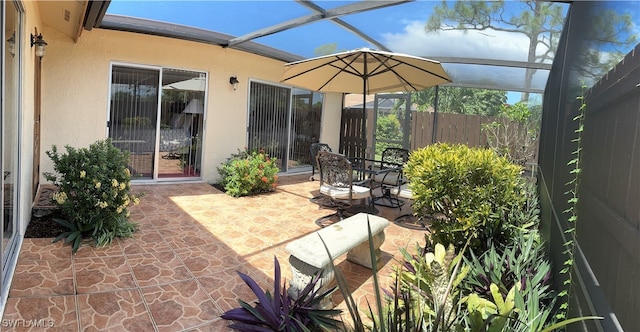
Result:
114,182
119,209
127,214
102,205
126,171
60,197
136,201
123,185
126,201
83,174
98,184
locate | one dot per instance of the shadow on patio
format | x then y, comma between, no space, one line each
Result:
179,272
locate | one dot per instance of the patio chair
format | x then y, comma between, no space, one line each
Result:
388,174
337,184
315,148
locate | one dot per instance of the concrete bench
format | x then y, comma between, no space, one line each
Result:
308,254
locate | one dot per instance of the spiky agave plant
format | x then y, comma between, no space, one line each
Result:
281,312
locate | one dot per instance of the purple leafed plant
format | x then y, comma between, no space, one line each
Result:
280,312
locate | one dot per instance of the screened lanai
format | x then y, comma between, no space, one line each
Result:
506,46
536,52
497,54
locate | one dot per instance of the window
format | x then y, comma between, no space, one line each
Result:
284,122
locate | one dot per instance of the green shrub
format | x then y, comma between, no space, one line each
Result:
93,192
468,192
248,173
388,128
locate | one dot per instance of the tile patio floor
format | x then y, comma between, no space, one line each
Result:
179,272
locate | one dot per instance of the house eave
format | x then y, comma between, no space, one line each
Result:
170,30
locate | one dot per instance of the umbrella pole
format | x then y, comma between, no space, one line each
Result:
364,107
364,121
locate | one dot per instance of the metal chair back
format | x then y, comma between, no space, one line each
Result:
394,157
314,149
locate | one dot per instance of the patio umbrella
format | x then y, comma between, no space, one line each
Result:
192,84
365,71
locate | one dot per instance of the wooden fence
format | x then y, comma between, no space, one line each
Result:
449,128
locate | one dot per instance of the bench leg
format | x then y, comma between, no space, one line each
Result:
301,276
361,254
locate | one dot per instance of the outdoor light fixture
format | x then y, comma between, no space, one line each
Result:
40,44
12,44
234,81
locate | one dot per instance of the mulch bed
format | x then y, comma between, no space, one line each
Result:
218,186
44,227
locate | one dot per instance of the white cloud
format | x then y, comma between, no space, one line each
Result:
487,44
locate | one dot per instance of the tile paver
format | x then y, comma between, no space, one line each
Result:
178,273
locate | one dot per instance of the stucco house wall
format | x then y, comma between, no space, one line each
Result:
75,88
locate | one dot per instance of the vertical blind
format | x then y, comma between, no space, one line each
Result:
133,116
284,122
268,124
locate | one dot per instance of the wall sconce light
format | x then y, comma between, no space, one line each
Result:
40,44
12,44
234,81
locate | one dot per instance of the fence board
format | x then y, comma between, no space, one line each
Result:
421,129
351,142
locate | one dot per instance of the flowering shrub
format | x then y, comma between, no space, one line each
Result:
248,173
93,192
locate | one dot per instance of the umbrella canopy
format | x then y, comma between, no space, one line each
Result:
192,84
365,71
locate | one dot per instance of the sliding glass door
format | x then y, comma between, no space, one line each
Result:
284,122
10,135
157,114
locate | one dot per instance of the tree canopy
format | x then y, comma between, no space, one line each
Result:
541,23
461,100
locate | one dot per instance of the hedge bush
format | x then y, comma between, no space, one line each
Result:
248,173
468,192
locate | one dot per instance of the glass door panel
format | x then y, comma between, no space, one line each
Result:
306,115
10,130
181,123
269,121
133,116
393,122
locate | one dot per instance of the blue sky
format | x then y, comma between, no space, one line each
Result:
401,28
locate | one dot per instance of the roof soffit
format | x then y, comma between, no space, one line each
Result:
64,16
